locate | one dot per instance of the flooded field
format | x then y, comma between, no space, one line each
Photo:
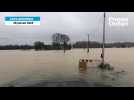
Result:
56,68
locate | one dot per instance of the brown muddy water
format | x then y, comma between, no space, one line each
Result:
20,68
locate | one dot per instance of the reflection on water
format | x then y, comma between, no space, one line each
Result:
82,69
54,68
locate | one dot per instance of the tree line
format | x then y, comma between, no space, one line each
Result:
94,44
61,42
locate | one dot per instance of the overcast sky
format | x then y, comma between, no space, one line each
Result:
76,24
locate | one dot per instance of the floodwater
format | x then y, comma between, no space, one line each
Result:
22,68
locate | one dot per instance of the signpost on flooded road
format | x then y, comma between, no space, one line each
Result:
88,44
103,48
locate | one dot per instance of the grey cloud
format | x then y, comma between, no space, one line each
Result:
76,24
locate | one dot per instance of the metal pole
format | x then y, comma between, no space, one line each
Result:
103,49
88,44
64,47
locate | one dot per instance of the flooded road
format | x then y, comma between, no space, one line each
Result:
55,68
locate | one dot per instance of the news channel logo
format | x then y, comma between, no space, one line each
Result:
22,20
118,21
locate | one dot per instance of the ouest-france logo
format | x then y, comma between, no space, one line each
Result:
117,21
22,20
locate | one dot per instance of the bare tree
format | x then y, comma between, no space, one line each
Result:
59,40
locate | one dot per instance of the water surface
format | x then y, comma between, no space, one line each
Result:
56,68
